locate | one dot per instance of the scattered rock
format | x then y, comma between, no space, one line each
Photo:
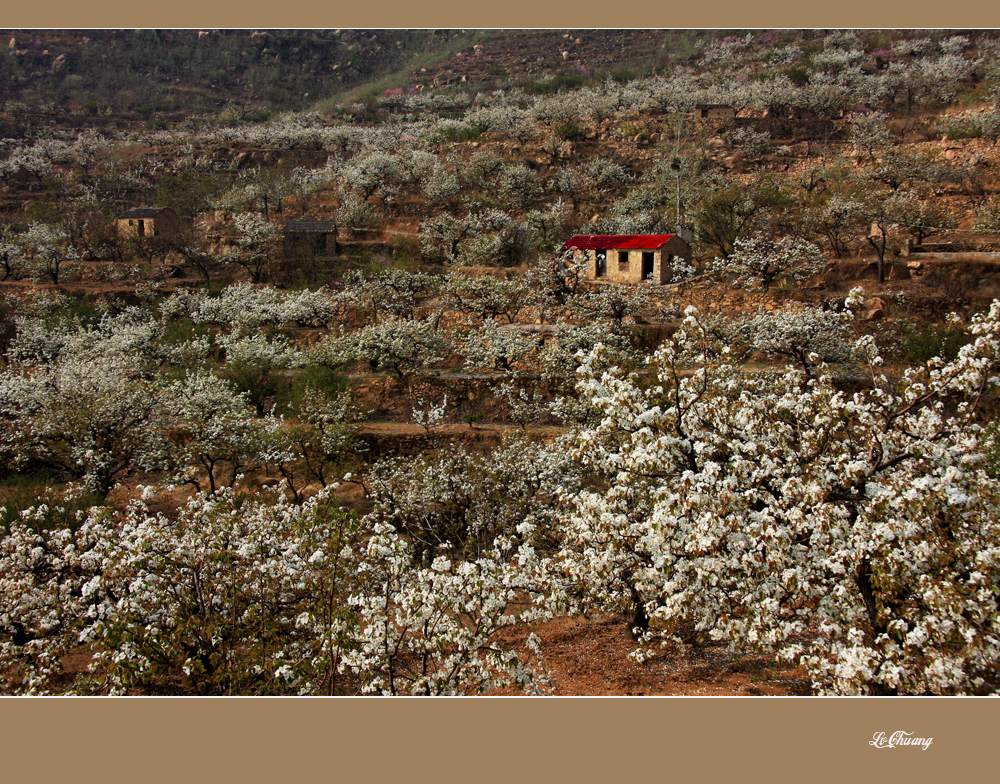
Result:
875,310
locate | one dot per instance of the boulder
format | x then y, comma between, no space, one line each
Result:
874,310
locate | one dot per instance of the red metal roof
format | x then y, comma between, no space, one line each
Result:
617,241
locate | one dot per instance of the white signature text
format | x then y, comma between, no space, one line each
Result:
884,740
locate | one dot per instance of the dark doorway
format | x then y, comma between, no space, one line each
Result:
142,228
647,265
601,266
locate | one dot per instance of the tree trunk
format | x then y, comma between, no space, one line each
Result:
863,580
880,250
640,620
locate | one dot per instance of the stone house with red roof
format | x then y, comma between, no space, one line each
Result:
627,258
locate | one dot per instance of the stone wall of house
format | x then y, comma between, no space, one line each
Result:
621,266
306,244
629,269
714,116
130,227
164,225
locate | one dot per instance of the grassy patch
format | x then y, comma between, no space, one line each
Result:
402,76
568,130
460,133
25,491
318,377
921,342
554,84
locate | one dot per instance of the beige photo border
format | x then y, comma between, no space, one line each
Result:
495,739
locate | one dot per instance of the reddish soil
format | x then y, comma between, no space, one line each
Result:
591,657
411,429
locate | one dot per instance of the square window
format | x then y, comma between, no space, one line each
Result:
623,259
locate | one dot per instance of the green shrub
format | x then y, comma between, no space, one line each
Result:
180,330
317,377
798,75
568,130
24,491
921,342
553,84
623,75
961,129
985,125
459,133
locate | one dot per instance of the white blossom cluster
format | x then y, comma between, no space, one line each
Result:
805,336
40,157
100,402
853,533
237,595
759,261
243,307
229,597
398,345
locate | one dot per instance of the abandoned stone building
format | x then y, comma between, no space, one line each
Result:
310,239
160,222
713,114
628,258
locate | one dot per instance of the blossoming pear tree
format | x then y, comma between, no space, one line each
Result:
852,532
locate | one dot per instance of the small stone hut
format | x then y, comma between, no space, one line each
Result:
310,238
159,222
628,258
714,114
